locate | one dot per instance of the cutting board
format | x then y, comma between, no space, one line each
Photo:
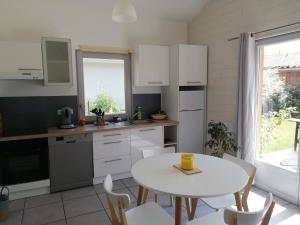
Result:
187,172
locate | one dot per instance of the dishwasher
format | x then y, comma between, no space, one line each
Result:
71,162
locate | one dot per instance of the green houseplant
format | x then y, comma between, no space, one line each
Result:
99,116
221,139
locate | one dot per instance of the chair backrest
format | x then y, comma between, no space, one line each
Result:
250,170
234,217
248,167
148,152
118,203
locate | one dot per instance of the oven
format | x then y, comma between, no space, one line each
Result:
23,161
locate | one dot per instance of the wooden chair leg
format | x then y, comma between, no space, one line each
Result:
268,215
145,196
191,206
194,207
188,208
238,201
140,195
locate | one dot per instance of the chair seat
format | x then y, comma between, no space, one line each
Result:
216,218
220,202
148,214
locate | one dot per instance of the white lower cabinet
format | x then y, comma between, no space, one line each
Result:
112,153
145,138
113,165
115,152
111,148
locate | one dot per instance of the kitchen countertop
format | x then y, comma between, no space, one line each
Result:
54,132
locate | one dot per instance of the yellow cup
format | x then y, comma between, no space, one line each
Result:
187,161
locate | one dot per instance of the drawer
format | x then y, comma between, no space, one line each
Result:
111,135
111,148
153,135
112,165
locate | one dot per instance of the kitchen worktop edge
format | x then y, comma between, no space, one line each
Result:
54,132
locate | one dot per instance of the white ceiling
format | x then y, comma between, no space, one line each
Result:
177,10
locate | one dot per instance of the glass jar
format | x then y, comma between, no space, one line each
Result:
187,161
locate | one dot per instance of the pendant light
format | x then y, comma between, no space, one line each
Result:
124,12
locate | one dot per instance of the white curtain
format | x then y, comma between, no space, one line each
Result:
247,98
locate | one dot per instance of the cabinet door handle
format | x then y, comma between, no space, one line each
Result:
145,130
71,142
113,160
113,142
111,135
194,82
26,74
26,69
155,82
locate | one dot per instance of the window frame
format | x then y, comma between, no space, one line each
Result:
80,55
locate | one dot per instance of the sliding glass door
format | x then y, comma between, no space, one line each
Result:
277,153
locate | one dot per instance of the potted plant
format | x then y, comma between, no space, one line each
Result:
221,139
99,116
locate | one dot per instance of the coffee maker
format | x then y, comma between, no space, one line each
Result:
66,114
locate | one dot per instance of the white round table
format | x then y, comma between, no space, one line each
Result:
218,177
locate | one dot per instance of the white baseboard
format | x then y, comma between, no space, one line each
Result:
277,193
29,189
99,180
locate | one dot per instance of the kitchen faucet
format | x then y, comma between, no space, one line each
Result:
138,114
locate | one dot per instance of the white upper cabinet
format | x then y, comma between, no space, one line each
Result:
151,66
57,61
21,60
192,65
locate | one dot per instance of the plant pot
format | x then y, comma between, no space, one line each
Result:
4,204
99,121
295,115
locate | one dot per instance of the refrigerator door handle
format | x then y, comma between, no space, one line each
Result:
190,110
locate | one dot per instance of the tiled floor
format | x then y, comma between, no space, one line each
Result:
87,206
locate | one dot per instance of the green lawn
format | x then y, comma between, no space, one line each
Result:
282,137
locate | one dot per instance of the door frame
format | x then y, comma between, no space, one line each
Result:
282,181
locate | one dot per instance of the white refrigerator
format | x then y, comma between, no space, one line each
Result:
191,121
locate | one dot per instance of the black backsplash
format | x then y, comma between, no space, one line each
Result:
29,115
24,115
150,103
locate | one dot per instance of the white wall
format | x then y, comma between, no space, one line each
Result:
223,19
86,23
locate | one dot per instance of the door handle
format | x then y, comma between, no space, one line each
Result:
155,82
113,160
113,142
71,142
194,82
111,135
145,130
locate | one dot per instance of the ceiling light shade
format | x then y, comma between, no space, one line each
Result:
124,12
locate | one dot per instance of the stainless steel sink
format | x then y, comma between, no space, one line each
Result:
137,122
133,122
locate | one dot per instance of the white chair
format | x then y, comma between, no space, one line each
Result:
233,217
146,214
229,200
148,152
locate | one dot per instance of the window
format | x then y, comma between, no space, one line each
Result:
279,100
104,82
